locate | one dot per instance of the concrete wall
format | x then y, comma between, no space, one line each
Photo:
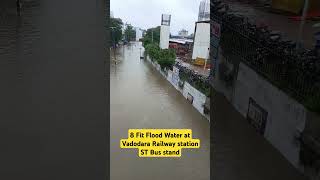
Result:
174,80
286,117
218,84
164,36
201,41
199,99
313,124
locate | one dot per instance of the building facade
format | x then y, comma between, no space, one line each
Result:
183,33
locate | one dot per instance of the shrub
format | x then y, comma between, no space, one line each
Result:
153,50
166,58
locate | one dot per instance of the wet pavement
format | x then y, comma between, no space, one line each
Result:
142,98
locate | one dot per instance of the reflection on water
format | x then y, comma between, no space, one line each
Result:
142,98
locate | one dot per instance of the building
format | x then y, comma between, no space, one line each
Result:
181,46
183,33
204,11
111,14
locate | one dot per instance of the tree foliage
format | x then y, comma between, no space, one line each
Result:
116,25
166,58
129,33
153,50
147,39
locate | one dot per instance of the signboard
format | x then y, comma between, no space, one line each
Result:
257,116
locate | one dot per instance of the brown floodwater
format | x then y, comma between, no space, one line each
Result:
141,98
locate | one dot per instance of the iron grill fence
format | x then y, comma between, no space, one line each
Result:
295,75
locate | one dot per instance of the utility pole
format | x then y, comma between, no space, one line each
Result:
303,19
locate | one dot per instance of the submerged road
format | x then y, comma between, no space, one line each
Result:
141,98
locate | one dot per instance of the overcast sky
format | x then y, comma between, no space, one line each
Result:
147,13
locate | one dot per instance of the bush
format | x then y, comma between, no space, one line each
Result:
153,50
166,58
197,81
146,41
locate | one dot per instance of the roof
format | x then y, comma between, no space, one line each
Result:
180,41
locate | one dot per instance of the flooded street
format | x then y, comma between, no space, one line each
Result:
141,98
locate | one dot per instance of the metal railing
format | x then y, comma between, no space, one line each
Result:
297,76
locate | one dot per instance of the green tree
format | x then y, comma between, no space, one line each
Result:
147,39
153,50
166,58
130,33
116,25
